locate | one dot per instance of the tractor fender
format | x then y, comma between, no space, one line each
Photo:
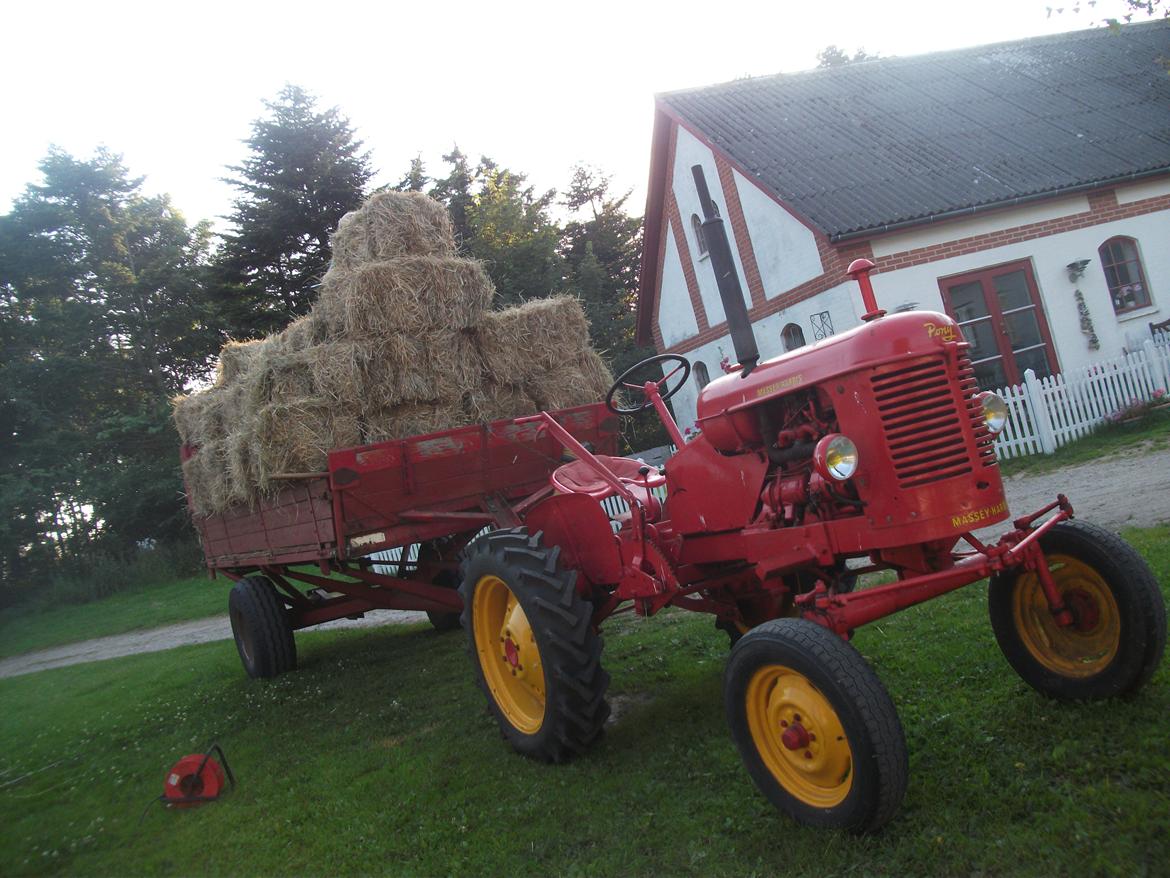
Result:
580,527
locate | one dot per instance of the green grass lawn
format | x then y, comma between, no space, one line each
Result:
1151,433
378,756
24,629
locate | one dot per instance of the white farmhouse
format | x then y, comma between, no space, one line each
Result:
1022,187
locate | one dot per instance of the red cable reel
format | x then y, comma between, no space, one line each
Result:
197,778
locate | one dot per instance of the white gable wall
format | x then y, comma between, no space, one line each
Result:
689,151
785,248
676,315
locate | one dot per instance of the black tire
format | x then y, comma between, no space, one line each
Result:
1119,630
791,676
261,628
441,621
556,707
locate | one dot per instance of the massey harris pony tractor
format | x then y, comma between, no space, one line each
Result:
870,451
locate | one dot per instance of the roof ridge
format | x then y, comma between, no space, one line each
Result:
982,48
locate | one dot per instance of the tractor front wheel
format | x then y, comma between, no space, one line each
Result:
815,727
261,629
1118,630
532,643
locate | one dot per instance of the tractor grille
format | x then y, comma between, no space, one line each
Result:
923,422
984,438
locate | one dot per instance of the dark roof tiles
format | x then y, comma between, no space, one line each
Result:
867,145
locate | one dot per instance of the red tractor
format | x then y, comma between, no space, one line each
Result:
869,452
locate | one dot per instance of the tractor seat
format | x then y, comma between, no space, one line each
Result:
579,477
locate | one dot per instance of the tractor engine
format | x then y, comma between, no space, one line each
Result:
878,434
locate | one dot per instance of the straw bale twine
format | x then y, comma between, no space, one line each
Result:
539,335
407,294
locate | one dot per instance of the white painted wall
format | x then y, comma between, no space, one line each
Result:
785,248
842,302
689,151
1049,256
676,315
1144,189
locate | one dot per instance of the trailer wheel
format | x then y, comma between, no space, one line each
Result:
441,621
1119,618
261,628
531,638
815,727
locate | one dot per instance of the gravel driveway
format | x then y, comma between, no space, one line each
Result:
1128,489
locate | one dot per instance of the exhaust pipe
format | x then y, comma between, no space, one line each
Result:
730,291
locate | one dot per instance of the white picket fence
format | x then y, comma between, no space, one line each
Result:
1045,413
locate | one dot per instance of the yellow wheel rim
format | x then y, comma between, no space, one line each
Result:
507,652
799,737
1087,646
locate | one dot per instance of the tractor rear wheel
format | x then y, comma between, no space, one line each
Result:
531,638
815,727
1118,632
260,626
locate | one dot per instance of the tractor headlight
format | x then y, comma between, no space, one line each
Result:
995,411
835,457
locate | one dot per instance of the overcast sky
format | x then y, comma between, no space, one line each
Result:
536,86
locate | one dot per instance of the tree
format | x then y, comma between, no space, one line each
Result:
415,179
510,229
454,191
833,56
102,319
305,171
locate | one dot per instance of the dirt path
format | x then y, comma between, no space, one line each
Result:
168,637
1128,489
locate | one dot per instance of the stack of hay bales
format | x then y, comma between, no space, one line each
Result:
401,342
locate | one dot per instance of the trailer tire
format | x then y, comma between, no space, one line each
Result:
260,626
441,621
815,727
1119,631
536,655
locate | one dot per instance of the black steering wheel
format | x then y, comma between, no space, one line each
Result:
623,383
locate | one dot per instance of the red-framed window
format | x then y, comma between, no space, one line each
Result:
1000,314
1124,274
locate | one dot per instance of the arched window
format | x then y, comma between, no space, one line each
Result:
697,225
1124,274
702,377
792,336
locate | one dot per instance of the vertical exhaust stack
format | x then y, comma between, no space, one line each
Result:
730,291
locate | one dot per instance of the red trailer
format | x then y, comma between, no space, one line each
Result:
302,556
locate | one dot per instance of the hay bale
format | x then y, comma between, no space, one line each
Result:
423,367
281,376
236,358
208,482
207,417
404,421
296,436
393,224
349,243
408,294
520,343
494,402
242,465
585,379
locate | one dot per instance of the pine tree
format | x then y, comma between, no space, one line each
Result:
102,319
305,171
